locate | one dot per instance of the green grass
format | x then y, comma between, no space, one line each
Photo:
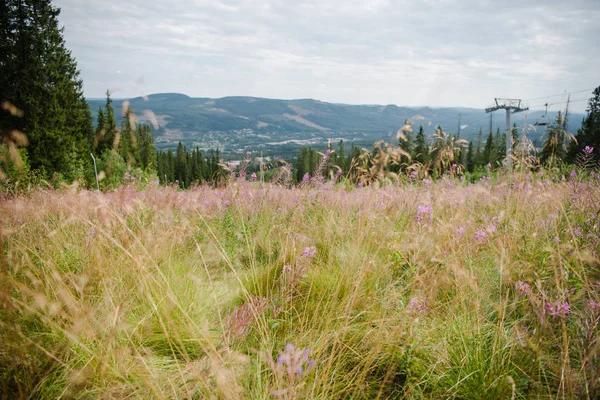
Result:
169,294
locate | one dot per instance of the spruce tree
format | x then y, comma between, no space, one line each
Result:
40,77
589,133
421,149
489,150
470,158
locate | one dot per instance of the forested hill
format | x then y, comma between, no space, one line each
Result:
251,122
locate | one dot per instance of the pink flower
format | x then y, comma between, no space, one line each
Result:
558,309
524,288
309,252
480,236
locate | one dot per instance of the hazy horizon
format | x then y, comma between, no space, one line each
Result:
447,53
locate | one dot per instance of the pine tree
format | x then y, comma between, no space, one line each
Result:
488,150
342,162
421,150
470,158
109,134
589,133
40,77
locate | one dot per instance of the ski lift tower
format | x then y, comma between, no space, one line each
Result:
512,106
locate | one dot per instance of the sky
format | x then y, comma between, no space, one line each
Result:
438,53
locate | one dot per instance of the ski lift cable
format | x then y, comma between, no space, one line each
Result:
560,94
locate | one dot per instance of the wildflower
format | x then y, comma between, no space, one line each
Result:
489,165
287,268
338,173
292,362
524,288
421,210
248,154
572,174
413,175
309,252
588,150
556,239
480,236
327,152
360,184
417,305
427,181
253,177
460,231
577,232
491,228
454,166
594,305
558,309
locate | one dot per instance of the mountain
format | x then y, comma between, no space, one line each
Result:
278,127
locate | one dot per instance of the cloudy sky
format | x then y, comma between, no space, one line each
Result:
404,52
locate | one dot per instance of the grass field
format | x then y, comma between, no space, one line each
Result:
429,290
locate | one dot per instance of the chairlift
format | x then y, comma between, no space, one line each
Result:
543,121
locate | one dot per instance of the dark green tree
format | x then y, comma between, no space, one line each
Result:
589,133
421,151
470,158
489,151
39,76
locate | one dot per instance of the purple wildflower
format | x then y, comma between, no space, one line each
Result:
588,150
305,178
489,165
421,210
558,309
524,288
427,181
572,174
417,305
327,152
413,175
287,268
594,305
460,231
309,252
577,232
556,239
480,236
253,177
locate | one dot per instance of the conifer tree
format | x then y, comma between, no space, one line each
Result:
589,133
421,149
489,150
39,76
470,158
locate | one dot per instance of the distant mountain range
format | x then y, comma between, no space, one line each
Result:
279,127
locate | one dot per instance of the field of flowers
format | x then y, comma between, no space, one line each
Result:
435,290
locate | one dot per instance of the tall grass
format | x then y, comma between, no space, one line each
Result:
443,290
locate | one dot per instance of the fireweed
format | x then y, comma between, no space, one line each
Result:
163,293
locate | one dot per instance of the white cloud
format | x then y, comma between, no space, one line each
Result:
410,52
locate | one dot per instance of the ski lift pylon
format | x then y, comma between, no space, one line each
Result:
543,121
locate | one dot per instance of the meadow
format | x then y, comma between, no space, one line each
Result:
442,289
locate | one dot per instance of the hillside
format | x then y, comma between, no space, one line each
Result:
237,124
